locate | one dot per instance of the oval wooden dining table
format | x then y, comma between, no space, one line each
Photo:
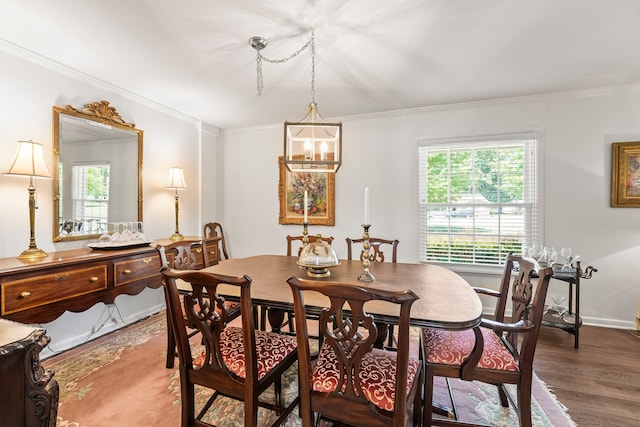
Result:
446,299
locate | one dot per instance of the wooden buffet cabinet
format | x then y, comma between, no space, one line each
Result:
74,280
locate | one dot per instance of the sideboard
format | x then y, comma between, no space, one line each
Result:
75,280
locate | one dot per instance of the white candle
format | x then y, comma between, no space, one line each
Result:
366,205
323,151
306,196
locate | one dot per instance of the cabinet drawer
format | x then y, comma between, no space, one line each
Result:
197,251
23,294
136,269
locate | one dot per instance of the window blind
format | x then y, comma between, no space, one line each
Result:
479,198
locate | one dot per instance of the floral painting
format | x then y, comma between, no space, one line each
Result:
625,174
320,187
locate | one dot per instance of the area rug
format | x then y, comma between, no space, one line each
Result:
121,380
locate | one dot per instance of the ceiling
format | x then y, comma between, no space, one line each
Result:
193,56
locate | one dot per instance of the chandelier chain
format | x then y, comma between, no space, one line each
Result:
260,58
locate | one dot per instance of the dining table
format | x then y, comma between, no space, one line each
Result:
446,300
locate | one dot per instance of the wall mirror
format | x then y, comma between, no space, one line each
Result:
97,172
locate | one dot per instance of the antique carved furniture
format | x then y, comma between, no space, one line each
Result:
215,247
74,280
291,240
185,255
276,316
376,253
495,352
569,321
352,382
28,393
236,362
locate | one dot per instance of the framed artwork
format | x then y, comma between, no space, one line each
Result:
320,188
625,175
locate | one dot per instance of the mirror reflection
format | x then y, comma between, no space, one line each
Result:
98,178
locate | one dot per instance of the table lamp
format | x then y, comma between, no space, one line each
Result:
176,182
29,161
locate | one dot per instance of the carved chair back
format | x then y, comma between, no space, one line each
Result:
336,386
213,243
292,239
376,245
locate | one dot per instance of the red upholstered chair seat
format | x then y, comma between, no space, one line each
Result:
377,377
271,349
445,347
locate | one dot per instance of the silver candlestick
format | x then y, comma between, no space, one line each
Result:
366,276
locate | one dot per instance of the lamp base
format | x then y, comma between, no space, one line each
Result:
176,237
32,253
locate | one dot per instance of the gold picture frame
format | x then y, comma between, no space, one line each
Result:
320,187
625,175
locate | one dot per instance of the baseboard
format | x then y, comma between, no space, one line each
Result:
110,324
595,321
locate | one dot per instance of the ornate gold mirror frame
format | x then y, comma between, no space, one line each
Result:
98,130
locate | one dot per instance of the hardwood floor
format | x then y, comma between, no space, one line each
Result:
599,382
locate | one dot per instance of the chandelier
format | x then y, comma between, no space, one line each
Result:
312,144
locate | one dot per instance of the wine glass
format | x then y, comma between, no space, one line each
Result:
566,254
558,306
552,257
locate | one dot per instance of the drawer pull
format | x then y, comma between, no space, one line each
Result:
25,294
147,260
62,277
94,279
198,250
127,271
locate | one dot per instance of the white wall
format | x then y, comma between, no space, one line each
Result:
30,88
380,151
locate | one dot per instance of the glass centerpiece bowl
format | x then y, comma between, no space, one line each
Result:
317,257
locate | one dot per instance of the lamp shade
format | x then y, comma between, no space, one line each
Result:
29,161
176,179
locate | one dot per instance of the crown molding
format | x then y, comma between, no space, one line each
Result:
63,69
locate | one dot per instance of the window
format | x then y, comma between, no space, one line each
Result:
478,198
90,194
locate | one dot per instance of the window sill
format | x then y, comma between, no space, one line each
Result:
476,270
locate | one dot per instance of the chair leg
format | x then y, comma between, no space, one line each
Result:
504,400
427,409
251,410
524,401
417,402
171,346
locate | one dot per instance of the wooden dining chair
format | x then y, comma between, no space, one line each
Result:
376,254
279,318
495,352
213,243
236,362
292,240
183,255
351,382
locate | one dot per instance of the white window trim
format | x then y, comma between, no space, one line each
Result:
485,270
